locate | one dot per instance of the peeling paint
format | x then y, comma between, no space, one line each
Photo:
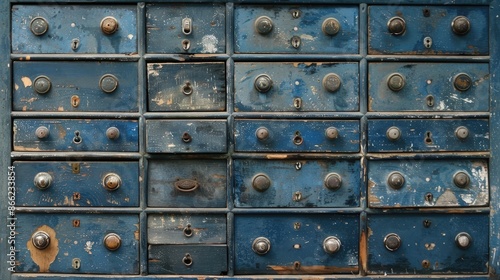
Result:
26,81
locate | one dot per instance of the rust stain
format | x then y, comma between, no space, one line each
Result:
372,198
363,251
276,156
312,269
44,258
26,81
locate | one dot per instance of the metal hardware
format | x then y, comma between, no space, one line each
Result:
428,138
112,241
393,133
295,14
330,26
261,182
462,82
428,42
296,226
263,83
186,44
75,101
75,44
426,12
187,26
332,82
39,26
188,232
295,42
42,132
297,139
263,25
430,100
187,260
331,244
462,132
42,84
262,133
463,240
75,263
426,264
186,185
460,25
333,181
427,223
461,179
109,25
77,139
40,240
76,196
396,82
396,26
261,245
396,180
112,133
297,103
297,265
332,133
429,197
187,89
297,196
186,137
43,180
75,168
76,223
108,83
392,242
111,181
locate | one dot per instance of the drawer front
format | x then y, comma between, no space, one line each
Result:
74,29
296,29
187,229
190,29
187,183
73,184
75,135
428,135
186,136
428,244
428,183
296,136
296,244
291,87
429,87
187,87
429,30
75,86
296,183
78,243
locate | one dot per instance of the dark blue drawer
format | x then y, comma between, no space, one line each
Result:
296,87
75,86
296,183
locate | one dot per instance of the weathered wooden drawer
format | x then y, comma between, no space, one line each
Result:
75,86
187,86
84,184
296,183
296,29
78,243
186,28
186,136
400,29
429,87
428,183
412,135
74,29
75,135
296,244
291,87
187,183
296,135
428,244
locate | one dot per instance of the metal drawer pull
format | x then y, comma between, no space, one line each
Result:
186,185
261,245
42,84
396,26
331,244
460,25
112,182
188,231
331,26
186,137
40,240
39,26
187,260
263,25
261,182
109,25
42,132
42,180
112,241
392,242
463,240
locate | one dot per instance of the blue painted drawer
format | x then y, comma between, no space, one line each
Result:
187,86
428,244
428,183
74,29
400,29
78,243
428,135
296,136
291,87
186,136
296,244
190,29
187,183
75,86
75,135
296,29
296,183
429,87
83,184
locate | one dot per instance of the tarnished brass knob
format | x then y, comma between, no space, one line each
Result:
111,181
109,25
263,25
42,84
112,133
460,25
112,241
393,133
262,133
42,132
463,240
108,83
332,133
333,181
396,26
396,82
263,83
462,82
461,179
332,82
261,245
392,242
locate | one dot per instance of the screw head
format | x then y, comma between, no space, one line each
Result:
332,82
42,84
392,242
109,25
261,182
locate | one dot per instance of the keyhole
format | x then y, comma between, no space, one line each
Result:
430,100
428,42
77,139
428,138
298,166
186,137
296,265
186,44
76,263
297,103
429,197
297,196
187,260
427,223
75,101
296,42
297,139
295,13
75,43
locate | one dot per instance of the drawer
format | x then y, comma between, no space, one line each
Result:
296,29
296,183
412,135
187,86
186,28
85,184
187,229
429,87
291,87
428,183
430,30
296,244
428,244
296,136
74,29
186,136
75,135
187,183
75,86
78,243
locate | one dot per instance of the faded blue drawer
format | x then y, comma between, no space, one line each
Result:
78,243
296,183
74,29
187,86
83,184
186,136
428,183
75,135
428,135
297,87
296,136
296,29
187,183
427,244
183,28
75,86
296,244
428,22
429,87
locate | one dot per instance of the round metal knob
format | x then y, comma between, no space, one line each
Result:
262,133
463,240
261,245
332,82
330,26
460,25
39,26
462,82
393,133
108,83
109,25
333,181
40,240
396,180
112,133
112,241
331,244
42,84
263,25
461,179
396,26
263,83
42,132
462,132
42,180
261,182
332,133
392,242
396,82
111,181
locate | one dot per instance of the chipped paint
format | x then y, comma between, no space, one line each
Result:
209,44
26,81
311,269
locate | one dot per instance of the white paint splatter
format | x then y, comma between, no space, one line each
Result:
130,36
88,247
209,43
